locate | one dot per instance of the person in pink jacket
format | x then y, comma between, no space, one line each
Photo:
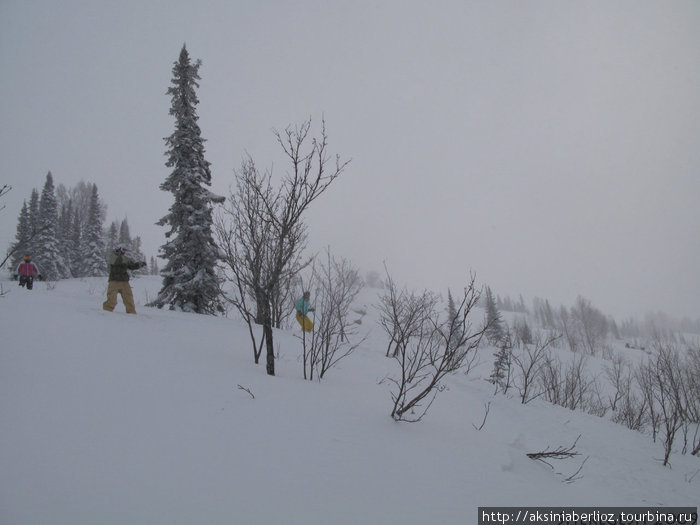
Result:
27,270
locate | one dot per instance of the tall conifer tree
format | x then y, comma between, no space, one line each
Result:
494,332
48,254
93,245
34,225
190,282
22,237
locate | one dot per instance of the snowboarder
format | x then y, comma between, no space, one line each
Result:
27,270
118,264
303,307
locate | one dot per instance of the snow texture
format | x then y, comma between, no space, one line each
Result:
114,418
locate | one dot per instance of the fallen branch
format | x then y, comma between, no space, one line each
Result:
559,453
246,390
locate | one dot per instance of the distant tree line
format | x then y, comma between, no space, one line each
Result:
63,230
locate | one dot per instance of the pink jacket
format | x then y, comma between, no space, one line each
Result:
27,268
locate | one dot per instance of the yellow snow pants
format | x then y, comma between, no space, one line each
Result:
123,288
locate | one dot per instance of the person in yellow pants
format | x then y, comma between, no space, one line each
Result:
119,264
303,307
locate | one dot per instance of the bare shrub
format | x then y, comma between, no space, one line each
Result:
337,283
568,386
628,407
428,346
529,362
404,315
664,384
619,374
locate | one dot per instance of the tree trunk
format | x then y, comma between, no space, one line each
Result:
267,331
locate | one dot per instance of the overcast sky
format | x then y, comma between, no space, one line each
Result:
551,147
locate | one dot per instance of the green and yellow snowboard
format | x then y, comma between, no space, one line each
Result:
305,322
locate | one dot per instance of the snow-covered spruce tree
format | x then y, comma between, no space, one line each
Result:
494,332
133,245
64,235
124,233
93,246
112,236
76,240
22,237
190,282
27,229
48,255
501,374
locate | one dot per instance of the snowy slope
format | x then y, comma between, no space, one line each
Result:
114,419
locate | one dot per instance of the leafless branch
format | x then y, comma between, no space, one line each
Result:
559,453
246,390
487,407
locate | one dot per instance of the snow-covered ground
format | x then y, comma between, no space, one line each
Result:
107,418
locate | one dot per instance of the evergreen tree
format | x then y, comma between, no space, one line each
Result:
76,239
34,225
153,267
190,282
456,333
93,245
64,233
500,376
22,237
494,332
137,255
48,254
112,237
124,235
27,229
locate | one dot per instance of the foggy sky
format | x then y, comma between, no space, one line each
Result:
550,147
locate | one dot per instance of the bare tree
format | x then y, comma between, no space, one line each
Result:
692,396
4,189
662,382
567,326
403,314
430,348
646,382
566,386
628,408
592,324
620,376
245,236
337,283
529,363
264,251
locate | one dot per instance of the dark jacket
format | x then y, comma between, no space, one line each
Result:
118,266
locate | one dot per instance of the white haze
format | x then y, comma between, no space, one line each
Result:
551,147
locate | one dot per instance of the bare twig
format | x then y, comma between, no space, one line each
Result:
575,476
487,407
246,390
